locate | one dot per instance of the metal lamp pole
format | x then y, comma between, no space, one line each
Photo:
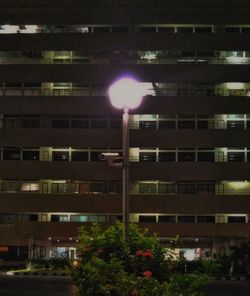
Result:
125,172
126,93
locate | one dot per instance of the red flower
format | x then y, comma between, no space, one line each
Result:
147,274
134,293
139,253
148,253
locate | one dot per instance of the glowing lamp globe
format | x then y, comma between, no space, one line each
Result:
125,93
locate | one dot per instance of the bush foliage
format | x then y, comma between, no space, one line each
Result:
141,266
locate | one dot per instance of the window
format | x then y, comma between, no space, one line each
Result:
147,29
186,219
98,124
119,29
207,188
10,186
186,188
115,187
166,188
236,219
94,155
147,218
186,156
148,124
203,29
31,123
233,124
205,156
236,156
202,124
30,186
11,153
147,188
115,123
97,218
30,155
232,30
167,124
166,29
147,156
186,124
79,218
59,218
167,156
60,155
101,30
166,219
205,219
185,29
79,156
59,188
60,123
79,123
98,187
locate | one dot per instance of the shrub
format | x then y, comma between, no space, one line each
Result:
141,266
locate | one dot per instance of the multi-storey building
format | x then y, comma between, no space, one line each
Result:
189,140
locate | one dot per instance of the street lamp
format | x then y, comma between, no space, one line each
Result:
126,93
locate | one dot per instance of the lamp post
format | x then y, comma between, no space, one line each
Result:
125,93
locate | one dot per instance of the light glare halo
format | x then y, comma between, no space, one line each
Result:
126,93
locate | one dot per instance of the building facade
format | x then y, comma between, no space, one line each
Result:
189,140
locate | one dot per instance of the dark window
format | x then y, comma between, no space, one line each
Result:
147,29
99,124
167,219
205,156
115,187
186,156
115,124
55,218
202,124
236,219
30,155
184,29
186,124
186,219
232,30
95,156
205,188
101,29
80,124
166,29
79,156
203,30
119,29
148,124
186,188
235,156
60,123
11,154
31,123
98,187
167,124
205,219
33,217
248,156
245,30
147,218
167,188
167,156
147,156
60,155
235,124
